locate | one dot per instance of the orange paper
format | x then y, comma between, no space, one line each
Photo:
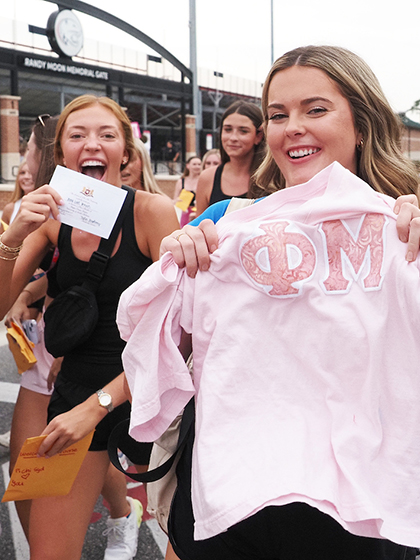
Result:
39,477
184,200
21,347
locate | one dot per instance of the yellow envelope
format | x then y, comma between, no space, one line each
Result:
39,477
184,200
21,347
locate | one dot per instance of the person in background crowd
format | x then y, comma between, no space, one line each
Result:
188,182
24,184
171,156
332,419
242,147
94,137
138,172
210,159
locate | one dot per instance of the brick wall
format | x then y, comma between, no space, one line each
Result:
410,143
9,133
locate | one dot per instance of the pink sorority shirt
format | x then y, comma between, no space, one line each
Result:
306,361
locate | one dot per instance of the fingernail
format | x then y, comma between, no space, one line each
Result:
410,256
213,248
397,210
204,267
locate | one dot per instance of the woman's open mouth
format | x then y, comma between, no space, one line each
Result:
93,168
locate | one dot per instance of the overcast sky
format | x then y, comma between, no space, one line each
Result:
234,36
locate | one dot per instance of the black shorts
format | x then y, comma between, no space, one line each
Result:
67,395
292,532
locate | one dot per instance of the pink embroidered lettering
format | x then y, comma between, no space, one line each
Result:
366,248
266,258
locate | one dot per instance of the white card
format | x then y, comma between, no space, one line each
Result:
89,204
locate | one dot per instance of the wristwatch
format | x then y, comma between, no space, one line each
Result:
105,400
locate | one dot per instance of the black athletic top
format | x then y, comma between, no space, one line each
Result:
105,344
217,194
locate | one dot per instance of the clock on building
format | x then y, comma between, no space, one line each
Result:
65,33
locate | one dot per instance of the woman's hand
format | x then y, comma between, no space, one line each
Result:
36,208
191,246
70,427
408,224
19,312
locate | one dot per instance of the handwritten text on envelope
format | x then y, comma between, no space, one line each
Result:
38,477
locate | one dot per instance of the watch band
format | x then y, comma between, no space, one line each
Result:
105,400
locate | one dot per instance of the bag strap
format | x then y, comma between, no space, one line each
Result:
187,424
99,259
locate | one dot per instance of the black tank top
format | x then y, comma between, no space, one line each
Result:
217,194
125,267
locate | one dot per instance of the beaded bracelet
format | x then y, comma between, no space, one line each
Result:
7,249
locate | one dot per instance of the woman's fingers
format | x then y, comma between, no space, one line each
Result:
410,198
413,239
408,227
58,438
42,202
191,246
66,429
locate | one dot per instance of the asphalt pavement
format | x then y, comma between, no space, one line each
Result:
13,545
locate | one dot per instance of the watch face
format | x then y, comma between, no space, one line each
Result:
65,33
105,399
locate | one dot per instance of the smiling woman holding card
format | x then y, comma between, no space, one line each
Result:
94,139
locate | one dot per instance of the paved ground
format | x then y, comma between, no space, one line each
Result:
13,546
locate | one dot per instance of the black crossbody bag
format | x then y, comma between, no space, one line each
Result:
72,316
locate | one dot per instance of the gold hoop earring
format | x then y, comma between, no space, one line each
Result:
361,144
124,161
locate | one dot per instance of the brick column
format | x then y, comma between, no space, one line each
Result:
9,136
191,149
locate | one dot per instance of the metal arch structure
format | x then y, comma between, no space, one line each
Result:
97,13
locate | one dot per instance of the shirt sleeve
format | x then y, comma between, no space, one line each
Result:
149,318
213,212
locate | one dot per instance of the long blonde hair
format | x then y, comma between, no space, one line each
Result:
381,162
18,191
147,179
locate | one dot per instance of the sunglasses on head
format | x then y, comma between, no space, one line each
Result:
42,118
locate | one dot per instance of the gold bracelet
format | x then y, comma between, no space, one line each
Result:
8,249
11,259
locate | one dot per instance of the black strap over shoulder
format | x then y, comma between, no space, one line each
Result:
99,259
187,424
